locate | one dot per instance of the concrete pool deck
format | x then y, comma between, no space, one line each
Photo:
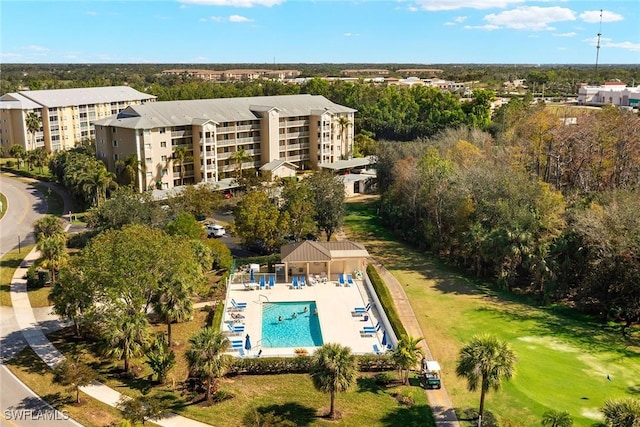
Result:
335,305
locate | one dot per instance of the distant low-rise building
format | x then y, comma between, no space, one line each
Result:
222,135
610,93
234,75
66,115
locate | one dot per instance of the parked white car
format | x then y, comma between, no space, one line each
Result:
215,230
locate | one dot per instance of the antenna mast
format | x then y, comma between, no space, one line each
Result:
598,44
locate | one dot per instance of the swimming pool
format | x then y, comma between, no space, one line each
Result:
281,328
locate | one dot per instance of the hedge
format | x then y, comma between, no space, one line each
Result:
302,364
28,174
386,301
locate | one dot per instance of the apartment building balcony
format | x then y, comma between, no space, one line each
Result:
250,139
226,129
297,123
292,135
244,128
290,147
180,133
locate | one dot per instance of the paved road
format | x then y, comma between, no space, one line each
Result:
19,405
26,204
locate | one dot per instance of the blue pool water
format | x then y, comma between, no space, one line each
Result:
303,330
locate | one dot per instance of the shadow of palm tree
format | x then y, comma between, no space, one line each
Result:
409,416
293,412
368,385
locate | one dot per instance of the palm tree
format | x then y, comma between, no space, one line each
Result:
343,123
127,336
623,412
554,418
240,156
333,370
53,251
32,121
160,358
485,361
128,170
206,358
48,226
19,153
180,156
406,355
40,157
173,303
97,181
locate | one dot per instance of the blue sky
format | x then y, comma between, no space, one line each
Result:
321,31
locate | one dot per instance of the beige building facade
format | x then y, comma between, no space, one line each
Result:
302,130
66,115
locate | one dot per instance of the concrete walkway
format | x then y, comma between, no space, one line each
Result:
35,337
441,405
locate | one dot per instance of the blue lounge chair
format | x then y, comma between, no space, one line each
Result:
241,351
294,284
362,309
236,344
350,281
376,349
238,305
302,282
371,329
262,283
272,281
235,329
341,279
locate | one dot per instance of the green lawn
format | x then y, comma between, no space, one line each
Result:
10,261
564,358
55,204
3,204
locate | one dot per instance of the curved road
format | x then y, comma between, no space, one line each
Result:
25,205
20,406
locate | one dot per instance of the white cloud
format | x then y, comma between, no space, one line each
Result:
462,4
234,3
571,34
532,18
351,34
239,18
606,42
482,27
35,48
593,16
413,9
91,12
460,19
217,18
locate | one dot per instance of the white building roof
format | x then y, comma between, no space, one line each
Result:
181,113
85,96
356,162
275,164
15,101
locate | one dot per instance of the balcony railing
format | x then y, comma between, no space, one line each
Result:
180,133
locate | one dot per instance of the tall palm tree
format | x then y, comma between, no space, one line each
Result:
180,155
554,418
485,362
53,251
96,181
127,336
343,123
406,355
19,153
173,303
623,412
48,226
32,121
333,370
128,170
40,157
206,358
240,156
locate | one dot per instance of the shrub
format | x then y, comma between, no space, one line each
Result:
384,379
386,301
302,364
221,396
9,163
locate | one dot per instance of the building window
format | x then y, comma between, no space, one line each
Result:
113,129
163,144
161,130
115,143
163,158
164,172
115,157
147,147
147,160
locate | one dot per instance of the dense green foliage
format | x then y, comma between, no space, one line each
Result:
542,208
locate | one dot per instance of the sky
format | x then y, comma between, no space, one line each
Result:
320,31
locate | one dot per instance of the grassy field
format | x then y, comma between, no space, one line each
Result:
563,358
55,204
3,202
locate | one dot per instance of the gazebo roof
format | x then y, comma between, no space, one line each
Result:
310,251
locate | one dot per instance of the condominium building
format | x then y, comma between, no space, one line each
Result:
610,93
65,115
222,135
234,75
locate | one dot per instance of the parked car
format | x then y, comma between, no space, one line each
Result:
215,230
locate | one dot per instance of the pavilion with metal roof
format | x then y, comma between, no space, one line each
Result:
323,258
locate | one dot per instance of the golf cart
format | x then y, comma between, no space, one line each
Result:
431,374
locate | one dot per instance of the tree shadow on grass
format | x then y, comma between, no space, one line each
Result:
28,361
294,412
409,416
42,404
368,385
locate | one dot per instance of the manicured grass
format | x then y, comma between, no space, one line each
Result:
31,370
563,359
55,204
39,296
3,204
10,261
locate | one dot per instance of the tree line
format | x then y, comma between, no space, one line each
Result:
544,208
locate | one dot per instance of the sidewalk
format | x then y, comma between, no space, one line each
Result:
441,405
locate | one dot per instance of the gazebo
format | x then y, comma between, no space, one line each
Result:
323,258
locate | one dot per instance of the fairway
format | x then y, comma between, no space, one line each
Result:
563,358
